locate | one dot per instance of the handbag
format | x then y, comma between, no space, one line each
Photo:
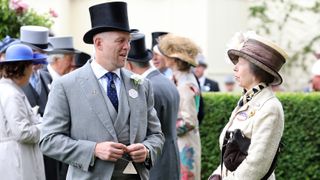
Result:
235,149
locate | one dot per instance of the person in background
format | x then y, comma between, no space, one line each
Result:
38,88
206,84
4,44
315,81
20,155
61,57
100,118
166,102
229,83
259,114
158,60
180,55
79,60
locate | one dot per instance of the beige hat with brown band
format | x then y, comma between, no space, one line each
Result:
178,47
264,54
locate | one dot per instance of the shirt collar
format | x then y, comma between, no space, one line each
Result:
52,72
99,71
147,72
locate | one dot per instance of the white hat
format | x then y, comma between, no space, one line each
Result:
36,37
62,45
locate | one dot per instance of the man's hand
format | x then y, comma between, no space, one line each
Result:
138,152
109,151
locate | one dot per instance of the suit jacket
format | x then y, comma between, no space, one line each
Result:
261,120
213,85
166,98
40,99
78,116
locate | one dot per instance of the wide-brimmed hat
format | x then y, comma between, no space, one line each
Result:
36,37
110,16
62,45
178,47
155,36
6,42
21,52
263,53
138,51
81,59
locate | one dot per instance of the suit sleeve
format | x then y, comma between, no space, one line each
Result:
55,138
155,138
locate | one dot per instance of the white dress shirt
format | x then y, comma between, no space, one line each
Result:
100,72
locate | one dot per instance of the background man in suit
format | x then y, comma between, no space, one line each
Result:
61,57
206,84
100,119
37,89
166,98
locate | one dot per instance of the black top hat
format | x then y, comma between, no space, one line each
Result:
81,59
155,36
138,51
111,16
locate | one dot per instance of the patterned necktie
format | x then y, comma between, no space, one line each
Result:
111,89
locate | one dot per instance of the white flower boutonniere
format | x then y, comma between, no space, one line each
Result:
137,79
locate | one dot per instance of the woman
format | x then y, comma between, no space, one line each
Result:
180,54
258,114
20,155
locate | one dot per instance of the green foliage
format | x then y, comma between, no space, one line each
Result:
300,158
290,23
11,20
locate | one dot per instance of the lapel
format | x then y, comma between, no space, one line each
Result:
92,90
255,104
133,103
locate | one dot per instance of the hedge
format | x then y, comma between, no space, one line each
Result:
299,159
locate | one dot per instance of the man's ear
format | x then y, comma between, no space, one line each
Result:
97,41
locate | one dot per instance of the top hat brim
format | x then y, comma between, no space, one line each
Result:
146,58
235,54
88,37
64,51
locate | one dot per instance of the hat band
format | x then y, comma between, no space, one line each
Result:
264,54
41,46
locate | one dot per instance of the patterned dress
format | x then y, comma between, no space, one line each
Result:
188,127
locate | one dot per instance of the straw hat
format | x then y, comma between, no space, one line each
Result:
182,48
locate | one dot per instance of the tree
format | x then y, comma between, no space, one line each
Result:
293,24
16,13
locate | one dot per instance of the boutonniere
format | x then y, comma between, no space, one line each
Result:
137,79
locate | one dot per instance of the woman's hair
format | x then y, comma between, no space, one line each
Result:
261,74
182,65
14,69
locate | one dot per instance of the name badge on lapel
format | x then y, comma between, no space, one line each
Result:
133,93
242,116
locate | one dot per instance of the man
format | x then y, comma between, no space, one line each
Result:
99,119
166,98
229,83
79,60
206,84
37,89
61,57
158,59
